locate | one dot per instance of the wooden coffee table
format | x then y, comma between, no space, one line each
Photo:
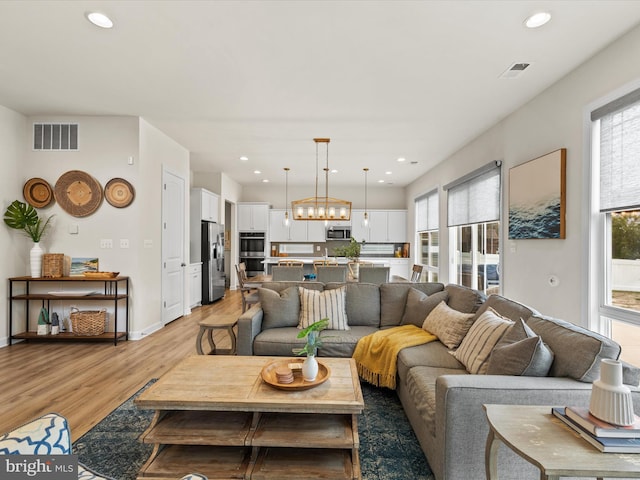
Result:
216,416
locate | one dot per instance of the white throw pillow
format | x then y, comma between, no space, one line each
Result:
315,305
477,345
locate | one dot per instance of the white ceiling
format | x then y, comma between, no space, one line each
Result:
382,79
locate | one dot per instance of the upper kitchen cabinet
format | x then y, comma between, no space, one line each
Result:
385,226
297,231
253,217
204,205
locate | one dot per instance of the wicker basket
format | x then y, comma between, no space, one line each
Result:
88,322
52,265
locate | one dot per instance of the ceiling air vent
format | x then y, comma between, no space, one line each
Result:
515,70
55,136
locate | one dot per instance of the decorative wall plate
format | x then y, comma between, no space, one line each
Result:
37,192
78,193
119,192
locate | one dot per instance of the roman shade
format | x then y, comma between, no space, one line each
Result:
427,217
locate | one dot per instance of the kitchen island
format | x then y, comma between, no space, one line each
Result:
398,266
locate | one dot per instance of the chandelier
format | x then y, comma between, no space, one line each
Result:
321,208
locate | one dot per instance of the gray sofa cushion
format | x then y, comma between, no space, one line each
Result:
393,298
278,342
281,309
578,351
432,354
520,352
419,305
280,286
341,343
363,304
464,299
506,307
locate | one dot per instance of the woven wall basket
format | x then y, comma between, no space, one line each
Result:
78,193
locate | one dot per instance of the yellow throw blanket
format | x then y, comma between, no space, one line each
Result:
376,355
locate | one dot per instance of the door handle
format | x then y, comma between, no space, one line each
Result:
183,264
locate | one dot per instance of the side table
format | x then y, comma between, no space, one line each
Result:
537,436
217,322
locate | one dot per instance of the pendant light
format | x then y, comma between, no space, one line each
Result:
285,222
321,208
365,220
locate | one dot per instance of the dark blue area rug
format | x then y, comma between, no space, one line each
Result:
389,449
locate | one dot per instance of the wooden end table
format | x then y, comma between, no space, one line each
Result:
545,441
217,322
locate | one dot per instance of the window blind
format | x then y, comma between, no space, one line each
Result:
427,217
475,198
620,158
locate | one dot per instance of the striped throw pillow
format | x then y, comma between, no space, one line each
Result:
478,343
315,305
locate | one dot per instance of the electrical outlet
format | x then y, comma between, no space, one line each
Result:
106,243
124,243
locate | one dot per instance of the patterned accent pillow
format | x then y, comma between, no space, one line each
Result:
449,325
46,435
329,304
85,473
477,345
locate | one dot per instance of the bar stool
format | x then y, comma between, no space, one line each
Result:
217,322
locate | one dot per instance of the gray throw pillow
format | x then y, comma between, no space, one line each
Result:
520,352
279,309
419,305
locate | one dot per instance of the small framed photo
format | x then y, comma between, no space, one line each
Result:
79,265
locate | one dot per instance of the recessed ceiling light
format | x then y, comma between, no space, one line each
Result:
537,19
257,172
99,19
244,159
388,173
265,180
402,159
334,171
380,181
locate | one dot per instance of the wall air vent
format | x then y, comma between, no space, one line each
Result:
515,70
55,136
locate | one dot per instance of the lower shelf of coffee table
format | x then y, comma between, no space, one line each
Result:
272,463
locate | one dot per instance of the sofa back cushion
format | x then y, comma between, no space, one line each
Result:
464,299
280,286
363,304
280,309
393,298
577,351
506,307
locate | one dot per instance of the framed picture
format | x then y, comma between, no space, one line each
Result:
537,197
79,265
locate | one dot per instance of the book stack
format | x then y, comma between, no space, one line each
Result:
606,437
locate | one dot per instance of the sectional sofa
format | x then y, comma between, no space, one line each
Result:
532,360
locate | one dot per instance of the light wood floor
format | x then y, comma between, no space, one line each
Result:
86,381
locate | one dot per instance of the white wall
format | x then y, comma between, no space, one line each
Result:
13,245
552,120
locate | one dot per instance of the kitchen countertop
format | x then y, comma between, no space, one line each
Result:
340,260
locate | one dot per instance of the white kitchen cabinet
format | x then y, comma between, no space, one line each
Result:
297,231
358,230
253,217
388,226
204,205
195,284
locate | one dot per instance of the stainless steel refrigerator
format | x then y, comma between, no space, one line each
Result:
213,277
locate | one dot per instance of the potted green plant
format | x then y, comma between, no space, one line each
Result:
310,349
352,252
22,216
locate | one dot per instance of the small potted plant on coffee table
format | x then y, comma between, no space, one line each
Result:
310,349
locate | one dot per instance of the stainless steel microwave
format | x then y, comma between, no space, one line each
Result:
338,233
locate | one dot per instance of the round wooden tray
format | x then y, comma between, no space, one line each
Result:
269,375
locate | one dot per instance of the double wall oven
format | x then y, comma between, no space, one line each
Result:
253,251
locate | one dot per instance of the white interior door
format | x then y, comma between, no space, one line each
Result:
173,254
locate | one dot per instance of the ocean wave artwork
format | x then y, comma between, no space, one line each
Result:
539,220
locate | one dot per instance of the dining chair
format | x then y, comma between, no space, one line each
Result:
280,273
323,263
336,273
248,292
376,275
416,273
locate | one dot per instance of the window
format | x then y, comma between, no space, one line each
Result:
427,220
616,169
473,214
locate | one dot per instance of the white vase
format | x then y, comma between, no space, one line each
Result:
610,399
35,257
310,368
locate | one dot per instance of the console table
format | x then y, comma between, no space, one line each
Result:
537,436
111,290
